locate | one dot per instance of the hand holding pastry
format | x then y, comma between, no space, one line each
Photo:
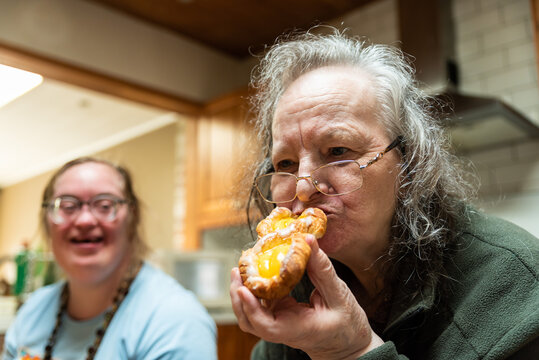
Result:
316,328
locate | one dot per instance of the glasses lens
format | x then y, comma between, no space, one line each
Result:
63,209
104,208
277,187
338,178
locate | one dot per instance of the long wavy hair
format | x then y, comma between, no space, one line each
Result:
434,184
139,246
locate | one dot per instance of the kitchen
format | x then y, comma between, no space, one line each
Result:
191,212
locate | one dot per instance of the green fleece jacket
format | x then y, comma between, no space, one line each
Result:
491,312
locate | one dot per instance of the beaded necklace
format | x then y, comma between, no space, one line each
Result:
123,289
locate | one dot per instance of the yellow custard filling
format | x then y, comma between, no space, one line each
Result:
282,223
269,261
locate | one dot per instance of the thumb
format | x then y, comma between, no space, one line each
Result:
323,276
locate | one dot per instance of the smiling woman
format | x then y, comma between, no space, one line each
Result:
112,304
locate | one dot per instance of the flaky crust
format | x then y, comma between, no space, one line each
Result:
311,221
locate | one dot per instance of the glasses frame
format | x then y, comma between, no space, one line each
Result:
378,156
53,206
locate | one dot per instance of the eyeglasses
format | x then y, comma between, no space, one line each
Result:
64,209
333,179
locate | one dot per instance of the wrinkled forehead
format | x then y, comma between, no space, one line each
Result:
351,84
325,94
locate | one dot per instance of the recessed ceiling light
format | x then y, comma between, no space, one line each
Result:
16,82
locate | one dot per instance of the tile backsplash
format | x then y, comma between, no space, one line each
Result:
509,178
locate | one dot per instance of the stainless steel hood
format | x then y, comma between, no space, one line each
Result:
476,121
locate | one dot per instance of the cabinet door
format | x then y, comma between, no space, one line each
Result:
234,344
224,151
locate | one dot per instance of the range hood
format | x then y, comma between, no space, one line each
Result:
476,122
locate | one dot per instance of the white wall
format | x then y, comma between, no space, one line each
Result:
101,39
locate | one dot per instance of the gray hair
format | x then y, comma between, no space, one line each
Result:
433,189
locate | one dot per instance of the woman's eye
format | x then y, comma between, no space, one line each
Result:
285,165
337,151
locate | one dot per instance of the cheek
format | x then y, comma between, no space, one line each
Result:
118,231
57,232
57,243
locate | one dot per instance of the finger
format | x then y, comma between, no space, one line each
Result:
256,314
331,288
234,297
316,299
237,307
283,323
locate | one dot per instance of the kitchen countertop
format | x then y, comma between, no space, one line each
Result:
223,316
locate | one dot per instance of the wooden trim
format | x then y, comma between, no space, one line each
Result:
534,4
235,98
57,70
191,230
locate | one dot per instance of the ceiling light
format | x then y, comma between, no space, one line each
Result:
15,82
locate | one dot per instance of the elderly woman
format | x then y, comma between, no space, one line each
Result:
112,304
407,268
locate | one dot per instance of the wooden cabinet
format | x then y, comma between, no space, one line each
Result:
223,149
234,344
534,4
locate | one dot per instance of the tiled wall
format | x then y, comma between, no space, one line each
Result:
496,51
496,56
510,183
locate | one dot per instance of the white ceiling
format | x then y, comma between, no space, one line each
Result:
57,122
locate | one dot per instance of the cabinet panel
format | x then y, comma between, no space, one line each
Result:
218,161
234,344
534,4
224,149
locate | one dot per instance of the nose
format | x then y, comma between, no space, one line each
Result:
305,188
85,217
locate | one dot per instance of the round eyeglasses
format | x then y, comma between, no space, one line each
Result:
333,179
64,209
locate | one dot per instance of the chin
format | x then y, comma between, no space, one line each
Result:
337,242
331,244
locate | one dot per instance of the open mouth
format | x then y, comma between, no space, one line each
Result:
87,240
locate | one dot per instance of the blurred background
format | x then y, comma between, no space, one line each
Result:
161,88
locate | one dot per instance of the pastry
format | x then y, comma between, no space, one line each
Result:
277,261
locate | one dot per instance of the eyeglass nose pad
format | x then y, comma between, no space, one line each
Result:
85,215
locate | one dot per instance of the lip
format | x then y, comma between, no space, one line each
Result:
324,209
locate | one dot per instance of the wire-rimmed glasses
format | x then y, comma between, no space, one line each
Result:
64,209
332,179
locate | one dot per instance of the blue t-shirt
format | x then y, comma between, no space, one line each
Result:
158,319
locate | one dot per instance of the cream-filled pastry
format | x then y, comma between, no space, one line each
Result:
277,261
